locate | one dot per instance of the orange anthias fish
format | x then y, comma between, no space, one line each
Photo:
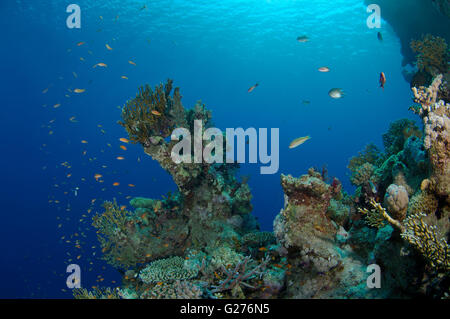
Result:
124,140
252,88
156,113
104,65
382,80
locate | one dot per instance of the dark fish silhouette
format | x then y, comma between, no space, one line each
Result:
380,36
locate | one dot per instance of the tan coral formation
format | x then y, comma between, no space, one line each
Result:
435,116
396,200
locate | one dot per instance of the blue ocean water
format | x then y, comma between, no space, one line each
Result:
214,51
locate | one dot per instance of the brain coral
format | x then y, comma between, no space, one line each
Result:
396,201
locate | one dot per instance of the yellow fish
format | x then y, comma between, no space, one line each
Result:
132,63
299,141
100,64
124,77
108,47
79,90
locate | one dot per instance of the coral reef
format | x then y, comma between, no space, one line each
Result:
202,242
199,241
207,207
420,235
435,116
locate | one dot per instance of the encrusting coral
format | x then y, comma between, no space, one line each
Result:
435,116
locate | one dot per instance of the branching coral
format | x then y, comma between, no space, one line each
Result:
417,233
427,96
432,52
377,215
237,276
425,239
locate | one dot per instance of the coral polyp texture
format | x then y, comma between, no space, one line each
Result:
201,240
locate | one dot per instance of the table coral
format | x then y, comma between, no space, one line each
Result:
167,270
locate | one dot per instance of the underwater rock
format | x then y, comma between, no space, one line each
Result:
305,215
320,269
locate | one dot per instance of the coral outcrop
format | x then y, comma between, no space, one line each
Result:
202,242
